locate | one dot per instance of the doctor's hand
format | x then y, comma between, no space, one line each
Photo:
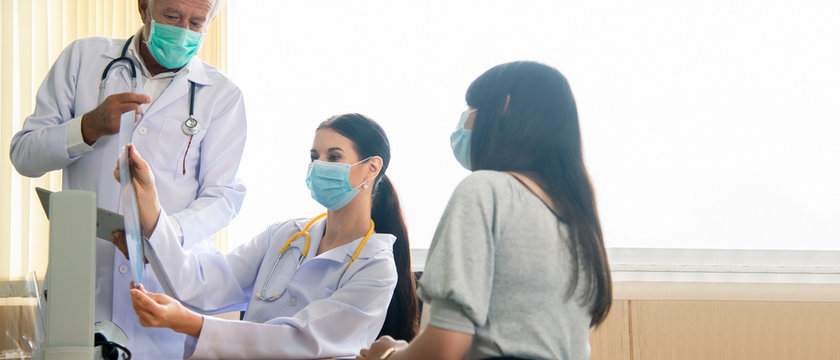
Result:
380,348
143,179
160,310
118,239
105,118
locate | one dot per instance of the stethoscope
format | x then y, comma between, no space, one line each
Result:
305,233
190,127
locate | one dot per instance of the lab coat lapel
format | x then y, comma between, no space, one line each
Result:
115,52
339,254
180,88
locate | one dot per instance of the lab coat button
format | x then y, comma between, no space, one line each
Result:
293,301
142,130
123,269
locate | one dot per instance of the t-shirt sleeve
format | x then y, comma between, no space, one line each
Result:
458,276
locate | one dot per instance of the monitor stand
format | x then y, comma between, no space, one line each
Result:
70,283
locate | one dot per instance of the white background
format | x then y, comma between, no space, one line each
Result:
706,124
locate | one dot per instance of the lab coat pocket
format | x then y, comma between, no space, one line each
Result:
162,142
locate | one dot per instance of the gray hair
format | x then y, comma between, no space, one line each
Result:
215,6
214,9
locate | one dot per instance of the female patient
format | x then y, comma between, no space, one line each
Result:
517,267
316,287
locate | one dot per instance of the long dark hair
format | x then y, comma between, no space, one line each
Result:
369,139
527,122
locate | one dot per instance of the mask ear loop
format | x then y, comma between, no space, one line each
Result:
364,184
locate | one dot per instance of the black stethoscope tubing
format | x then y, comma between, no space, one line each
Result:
122,58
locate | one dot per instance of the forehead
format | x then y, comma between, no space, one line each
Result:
327,138
192,7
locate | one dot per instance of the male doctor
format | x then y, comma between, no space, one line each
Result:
195,162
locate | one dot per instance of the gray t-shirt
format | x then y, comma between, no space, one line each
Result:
499,268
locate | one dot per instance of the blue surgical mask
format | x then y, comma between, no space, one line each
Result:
173,46
460,141
329,183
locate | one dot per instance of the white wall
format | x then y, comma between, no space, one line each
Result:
706,124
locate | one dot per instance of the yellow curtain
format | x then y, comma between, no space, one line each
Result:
32,34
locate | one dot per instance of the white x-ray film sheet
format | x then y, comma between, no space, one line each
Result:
128,199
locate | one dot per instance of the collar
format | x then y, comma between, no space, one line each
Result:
376,243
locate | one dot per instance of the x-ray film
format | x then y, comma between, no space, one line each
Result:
128,199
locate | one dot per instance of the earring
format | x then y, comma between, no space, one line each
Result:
365,185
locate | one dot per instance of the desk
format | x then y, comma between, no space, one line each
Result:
17,324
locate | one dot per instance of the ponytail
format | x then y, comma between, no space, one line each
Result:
401,322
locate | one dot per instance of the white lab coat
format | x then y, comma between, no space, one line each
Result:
320,313
202,201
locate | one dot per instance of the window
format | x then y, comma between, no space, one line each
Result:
706,124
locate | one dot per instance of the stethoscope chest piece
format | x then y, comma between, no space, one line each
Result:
191,126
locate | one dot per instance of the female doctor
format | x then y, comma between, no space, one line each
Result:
315,288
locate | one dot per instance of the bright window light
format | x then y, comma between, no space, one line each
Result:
706,124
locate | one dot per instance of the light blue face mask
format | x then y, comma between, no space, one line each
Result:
460,141
173,46
329,183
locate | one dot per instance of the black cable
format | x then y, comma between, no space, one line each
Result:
108,347
123,348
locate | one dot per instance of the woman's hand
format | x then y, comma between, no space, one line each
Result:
160,310
118,239
431,343
144,186
380,347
